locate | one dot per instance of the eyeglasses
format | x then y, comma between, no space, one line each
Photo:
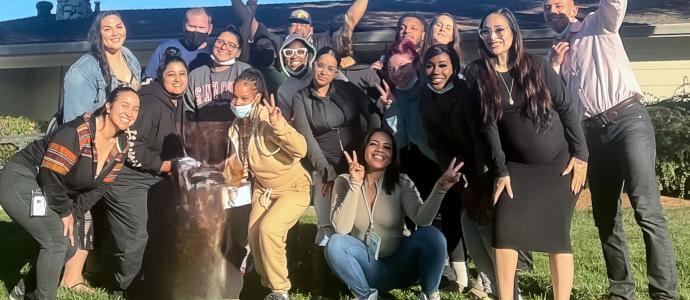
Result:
291,52
220,43
486,33
398,69
322,66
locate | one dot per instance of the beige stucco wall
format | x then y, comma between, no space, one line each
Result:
661,65
663,79
36,92
30,92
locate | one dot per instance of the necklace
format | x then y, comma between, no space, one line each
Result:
510,91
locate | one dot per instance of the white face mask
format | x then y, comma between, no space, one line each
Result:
242,111
222,63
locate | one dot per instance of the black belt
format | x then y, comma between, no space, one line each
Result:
612,114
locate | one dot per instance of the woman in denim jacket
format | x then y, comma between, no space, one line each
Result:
107,65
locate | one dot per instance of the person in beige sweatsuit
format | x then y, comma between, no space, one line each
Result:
270,151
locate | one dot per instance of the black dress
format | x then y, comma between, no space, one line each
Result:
538,217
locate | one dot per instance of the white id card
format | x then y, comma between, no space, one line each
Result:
373,244
38,204
235,197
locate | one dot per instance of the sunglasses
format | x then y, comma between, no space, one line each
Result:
292,52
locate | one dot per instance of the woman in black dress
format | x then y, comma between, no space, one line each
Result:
537,152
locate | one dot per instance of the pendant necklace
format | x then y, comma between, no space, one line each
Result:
510,91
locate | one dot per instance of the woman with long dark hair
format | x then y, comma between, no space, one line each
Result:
156,143
88,82
48,186
537,152
107,65
369,252
328,114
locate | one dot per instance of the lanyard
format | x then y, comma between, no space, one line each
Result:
366,202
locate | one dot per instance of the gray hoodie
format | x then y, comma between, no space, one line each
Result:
296,81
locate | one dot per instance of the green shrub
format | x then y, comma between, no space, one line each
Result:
671,119
14,126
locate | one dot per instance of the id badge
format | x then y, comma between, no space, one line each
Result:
373,244
38,204
235,197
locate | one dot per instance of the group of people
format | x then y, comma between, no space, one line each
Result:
416,161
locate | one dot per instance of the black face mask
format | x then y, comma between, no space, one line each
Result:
193,39
262,58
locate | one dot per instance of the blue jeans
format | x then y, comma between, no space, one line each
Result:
621,153
420,256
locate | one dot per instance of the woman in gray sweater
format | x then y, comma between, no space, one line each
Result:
369,252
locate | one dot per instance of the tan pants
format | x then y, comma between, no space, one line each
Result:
268,229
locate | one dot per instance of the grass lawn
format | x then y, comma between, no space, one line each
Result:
590,273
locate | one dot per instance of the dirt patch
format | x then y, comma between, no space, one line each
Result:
585,201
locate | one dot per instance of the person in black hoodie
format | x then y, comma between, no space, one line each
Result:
48,186
155,143
449,122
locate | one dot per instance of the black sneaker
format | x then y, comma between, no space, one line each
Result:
275,296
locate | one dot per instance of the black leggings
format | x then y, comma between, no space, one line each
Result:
424,172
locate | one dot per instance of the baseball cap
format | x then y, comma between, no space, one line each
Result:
299,16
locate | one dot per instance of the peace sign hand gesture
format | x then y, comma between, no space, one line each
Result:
274,113
387,98
356,169
452,175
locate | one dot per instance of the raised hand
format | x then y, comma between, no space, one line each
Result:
452,175
387,98
251,8
355,168
274,113
579,169
500,184
558,52
377,65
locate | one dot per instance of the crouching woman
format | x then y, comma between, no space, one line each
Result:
369,252
48,186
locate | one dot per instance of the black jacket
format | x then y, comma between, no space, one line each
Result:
155,135
333,124
452,129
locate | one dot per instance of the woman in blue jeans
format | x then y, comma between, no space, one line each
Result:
369,252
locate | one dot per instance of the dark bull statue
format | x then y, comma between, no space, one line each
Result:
197,248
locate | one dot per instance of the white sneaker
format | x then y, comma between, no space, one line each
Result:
373,295
460,270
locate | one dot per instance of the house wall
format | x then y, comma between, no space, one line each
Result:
661,64
30,92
